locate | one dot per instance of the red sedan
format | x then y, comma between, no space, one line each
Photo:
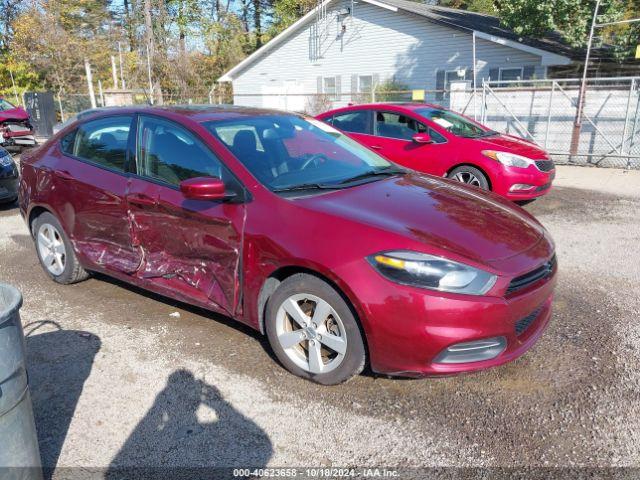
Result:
431,139
283,223
15,126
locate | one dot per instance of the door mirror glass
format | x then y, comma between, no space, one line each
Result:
422,138
203,188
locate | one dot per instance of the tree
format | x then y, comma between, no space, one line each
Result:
480,6
572,18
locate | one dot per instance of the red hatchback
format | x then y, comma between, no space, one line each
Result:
285,224
431,139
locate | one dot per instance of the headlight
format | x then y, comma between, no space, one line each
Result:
509,159
5,159
435,273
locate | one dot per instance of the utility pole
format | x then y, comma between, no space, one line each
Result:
149,75
92,95
114,72
148,33
101,93
15,90
577,124
122,84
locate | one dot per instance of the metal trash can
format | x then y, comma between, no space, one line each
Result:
19,453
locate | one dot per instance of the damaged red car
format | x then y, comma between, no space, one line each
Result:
15,126
280,221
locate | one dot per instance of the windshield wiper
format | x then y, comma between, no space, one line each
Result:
373,173
306,186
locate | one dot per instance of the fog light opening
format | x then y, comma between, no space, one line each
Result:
520,187
476,351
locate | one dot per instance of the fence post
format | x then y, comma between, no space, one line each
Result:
626,116
546,135
483,106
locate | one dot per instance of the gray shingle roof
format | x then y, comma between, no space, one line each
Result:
465,20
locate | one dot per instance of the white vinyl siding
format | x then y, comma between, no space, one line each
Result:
379,42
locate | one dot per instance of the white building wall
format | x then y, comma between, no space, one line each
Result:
376,41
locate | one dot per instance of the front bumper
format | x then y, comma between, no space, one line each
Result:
541,182
408,328
22,139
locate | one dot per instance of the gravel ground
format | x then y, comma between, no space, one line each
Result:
118,379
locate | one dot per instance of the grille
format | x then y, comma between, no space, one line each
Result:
524,323
545,165
523,281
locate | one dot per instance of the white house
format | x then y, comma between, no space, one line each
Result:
344,47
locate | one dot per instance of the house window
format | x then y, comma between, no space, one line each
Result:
365,83
329,87
453,76
507,74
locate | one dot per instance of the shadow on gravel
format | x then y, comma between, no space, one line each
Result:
228,321
59,362
190,427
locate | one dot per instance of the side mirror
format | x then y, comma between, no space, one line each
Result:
203,188
422,138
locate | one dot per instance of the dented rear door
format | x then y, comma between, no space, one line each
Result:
89,190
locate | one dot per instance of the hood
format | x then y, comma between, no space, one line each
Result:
17,113
511,144
441,214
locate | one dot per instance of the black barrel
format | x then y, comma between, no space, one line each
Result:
19,454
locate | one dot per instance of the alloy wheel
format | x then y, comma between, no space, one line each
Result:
51,248
468,178
311,333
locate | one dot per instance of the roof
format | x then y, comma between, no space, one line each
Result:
466,20
198,113
488,27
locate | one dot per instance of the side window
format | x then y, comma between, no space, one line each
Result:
103,142
171,154
436,137
66,142
354,122
396,125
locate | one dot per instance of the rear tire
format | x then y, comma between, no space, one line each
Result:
320,339
470,176
55,251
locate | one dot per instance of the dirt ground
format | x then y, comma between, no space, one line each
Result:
118,378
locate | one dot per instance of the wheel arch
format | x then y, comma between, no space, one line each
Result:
276,277
469,164
34,213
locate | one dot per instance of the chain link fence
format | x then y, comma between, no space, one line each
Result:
543,111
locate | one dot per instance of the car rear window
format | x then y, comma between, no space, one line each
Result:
353,122
102,142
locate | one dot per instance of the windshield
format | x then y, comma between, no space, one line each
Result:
454,123
4,105
287,152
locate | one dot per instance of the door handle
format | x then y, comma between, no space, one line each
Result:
142,200
376,147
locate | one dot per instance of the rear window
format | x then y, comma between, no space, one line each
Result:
102,142
4,105
353,122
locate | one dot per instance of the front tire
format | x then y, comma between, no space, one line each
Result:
313,332
470,176
55,252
